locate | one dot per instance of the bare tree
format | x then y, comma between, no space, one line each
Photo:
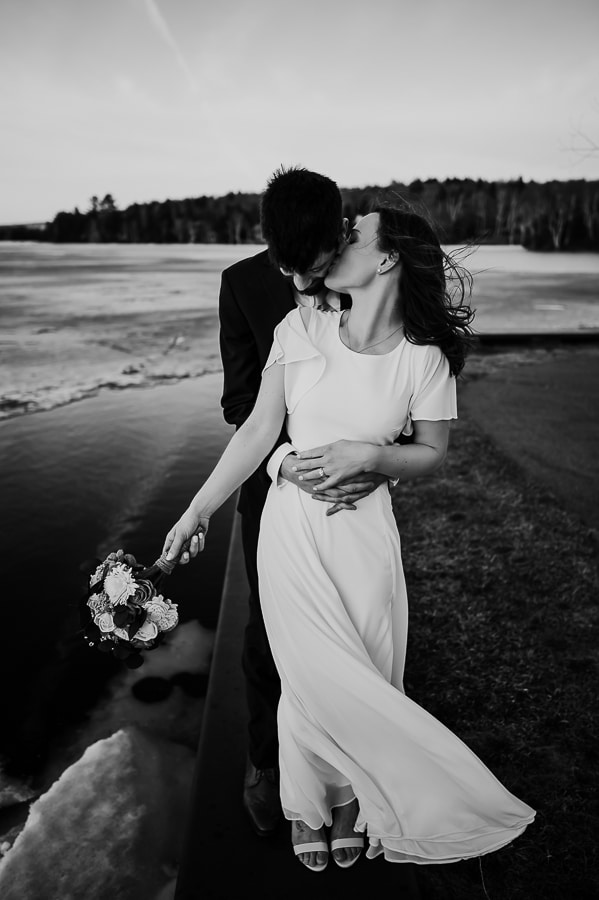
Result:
586,145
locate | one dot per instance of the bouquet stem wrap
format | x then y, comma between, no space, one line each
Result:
165,565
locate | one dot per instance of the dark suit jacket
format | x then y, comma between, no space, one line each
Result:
254,298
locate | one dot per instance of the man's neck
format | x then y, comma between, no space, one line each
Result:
322,299
305,299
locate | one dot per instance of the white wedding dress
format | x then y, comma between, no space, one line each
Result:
334,601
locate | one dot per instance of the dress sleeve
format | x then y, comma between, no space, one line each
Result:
293,348
276,351
434,396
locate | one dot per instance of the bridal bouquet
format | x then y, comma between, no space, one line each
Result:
122,611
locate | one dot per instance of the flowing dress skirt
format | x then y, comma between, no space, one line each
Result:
334,601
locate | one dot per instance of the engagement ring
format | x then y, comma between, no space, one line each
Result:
321,472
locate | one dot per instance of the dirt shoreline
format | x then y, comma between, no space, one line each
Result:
539,406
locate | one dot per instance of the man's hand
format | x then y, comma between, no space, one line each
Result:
361,487
344,495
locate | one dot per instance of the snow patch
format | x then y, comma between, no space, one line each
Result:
111,826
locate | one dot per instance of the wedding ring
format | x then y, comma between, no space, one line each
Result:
321,472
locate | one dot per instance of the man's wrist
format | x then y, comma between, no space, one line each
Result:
285,470
273,467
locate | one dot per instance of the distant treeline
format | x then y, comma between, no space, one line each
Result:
555,215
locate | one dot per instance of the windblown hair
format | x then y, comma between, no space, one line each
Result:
300,216
433,288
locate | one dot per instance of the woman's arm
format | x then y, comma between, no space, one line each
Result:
343,460
242,456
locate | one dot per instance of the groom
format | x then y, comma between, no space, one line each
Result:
302,224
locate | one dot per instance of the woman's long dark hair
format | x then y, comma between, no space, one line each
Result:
432,286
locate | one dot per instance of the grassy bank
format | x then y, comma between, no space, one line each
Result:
503,588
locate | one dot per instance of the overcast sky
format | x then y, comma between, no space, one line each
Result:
157,99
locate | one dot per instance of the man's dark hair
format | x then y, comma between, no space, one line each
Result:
300,217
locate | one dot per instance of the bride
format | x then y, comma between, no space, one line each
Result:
332,587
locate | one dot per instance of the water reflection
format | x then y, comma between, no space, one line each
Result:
114,471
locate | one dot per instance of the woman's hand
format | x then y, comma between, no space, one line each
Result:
336,463
186,538
343,497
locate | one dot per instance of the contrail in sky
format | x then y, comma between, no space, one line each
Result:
159,23
230,148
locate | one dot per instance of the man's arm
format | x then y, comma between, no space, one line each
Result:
342,460
242,366
346,495
239,355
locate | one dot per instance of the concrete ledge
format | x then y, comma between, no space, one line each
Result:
222,857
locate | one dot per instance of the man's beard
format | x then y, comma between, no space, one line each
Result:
315,287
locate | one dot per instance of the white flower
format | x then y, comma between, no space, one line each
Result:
97,576
122,633
162,612
98,603
105,622
145,591
147,632
119,584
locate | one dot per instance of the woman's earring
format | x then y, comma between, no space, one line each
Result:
392,258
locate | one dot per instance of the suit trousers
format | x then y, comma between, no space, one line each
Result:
263,685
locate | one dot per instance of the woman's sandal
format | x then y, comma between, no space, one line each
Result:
344,843
314,847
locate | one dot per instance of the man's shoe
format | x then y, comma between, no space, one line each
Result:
261,799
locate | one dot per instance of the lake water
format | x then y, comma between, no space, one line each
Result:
131,333
77,318
77,482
